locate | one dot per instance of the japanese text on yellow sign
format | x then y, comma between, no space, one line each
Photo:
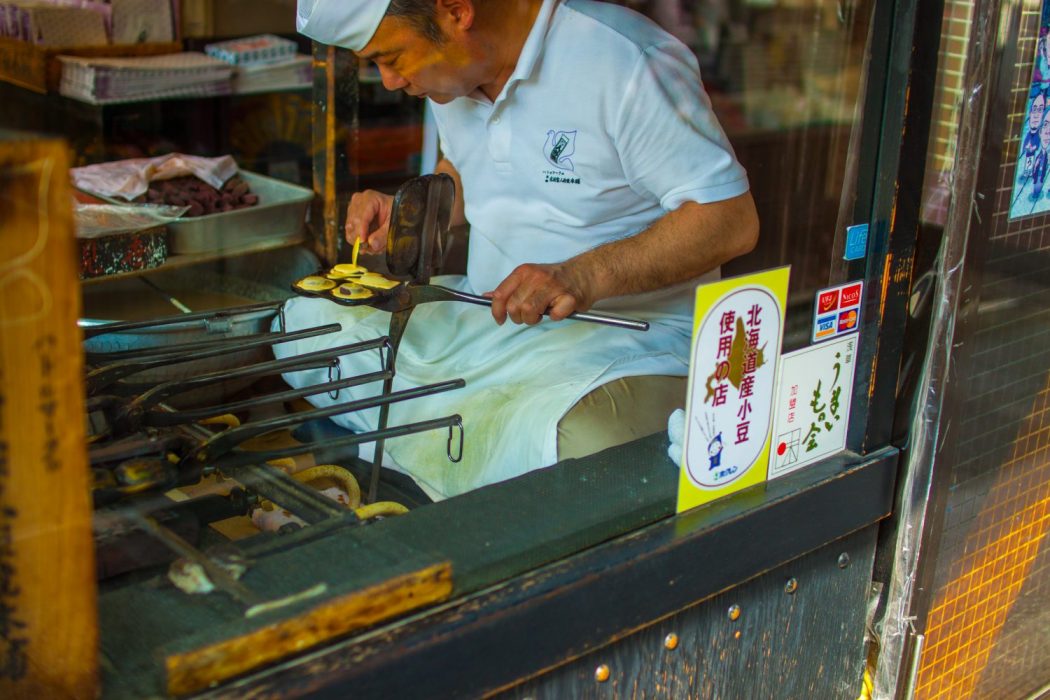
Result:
738,328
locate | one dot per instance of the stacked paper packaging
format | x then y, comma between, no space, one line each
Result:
264,62
296,72
253,50
105,80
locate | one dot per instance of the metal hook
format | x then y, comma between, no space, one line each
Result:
457,422
386,354
335,373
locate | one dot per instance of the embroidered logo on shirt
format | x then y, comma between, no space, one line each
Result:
559,149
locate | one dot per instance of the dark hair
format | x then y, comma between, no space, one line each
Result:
421,14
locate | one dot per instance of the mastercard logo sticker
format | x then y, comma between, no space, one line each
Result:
848,320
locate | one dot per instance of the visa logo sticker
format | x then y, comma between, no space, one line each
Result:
836,311
825,327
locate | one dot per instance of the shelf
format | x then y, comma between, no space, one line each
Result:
177,261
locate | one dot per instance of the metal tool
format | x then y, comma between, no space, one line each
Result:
419,221
409,295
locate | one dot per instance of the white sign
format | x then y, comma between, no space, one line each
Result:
811,412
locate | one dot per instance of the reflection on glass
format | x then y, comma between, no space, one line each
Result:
786,81
225,496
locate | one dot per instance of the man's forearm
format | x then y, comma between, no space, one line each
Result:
680,246
458,218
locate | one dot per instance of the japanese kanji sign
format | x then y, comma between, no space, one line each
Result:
737,332
811,413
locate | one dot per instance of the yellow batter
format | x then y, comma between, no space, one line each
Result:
374,280
315,284
346,270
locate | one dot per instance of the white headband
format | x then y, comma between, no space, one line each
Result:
346,23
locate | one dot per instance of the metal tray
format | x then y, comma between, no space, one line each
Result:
279,217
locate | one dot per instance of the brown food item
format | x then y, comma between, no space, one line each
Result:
346,271
351,292
201,198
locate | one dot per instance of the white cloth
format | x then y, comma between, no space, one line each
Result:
676,435
347,23
520,380
637,139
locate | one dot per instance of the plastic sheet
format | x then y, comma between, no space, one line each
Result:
927,431
100,220
127,179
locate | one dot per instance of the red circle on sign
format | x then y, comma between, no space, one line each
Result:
782,448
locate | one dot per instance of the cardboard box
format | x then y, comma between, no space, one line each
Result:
43,24
142,21
229,18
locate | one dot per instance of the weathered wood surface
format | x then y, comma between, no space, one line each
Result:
209,665
48,618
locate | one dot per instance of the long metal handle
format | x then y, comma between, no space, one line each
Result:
446,294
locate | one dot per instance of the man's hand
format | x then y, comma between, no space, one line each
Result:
531,290
368,218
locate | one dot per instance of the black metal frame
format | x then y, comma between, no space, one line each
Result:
897,115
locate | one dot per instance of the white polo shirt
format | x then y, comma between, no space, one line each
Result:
603,127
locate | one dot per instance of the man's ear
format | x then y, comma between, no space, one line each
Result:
455,14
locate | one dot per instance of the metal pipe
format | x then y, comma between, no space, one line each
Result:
224,442
334,450
311,360
92,330
103,377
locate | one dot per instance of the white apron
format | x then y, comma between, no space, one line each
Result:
520,380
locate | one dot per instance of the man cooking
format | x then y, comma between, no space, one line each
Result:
593,173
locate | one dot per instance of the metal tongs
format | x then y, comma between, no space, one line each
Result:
419,221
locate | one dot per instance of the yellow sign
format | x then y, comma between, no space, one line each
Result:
738,329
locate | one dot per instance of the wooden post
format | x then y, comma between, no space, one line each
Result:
335,126
48,607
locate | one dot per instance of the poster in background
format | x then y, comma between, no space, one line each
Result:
811,411
1031,191
738,328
